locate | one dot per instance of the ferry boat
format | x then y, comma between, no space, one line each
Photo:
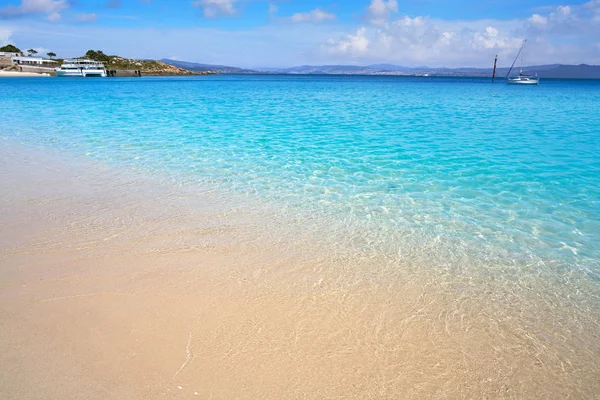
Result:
79,67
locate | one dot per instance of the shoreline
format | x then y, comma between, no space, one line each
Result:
17,74
115,286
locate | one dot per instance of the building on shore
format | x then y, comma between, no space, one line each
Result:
9,54
36,61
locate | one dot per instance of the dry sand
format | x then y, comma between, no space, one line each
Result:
115,289
17,74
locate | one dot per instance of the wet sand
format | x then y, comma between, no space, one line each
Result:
116,287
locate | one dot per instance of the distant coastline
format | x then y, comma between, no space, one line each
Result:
121,66
558,71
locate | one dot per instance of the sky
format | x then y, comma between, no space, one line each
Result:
285,33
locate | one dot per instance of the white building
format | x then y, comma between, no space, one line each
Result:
8,54
38,61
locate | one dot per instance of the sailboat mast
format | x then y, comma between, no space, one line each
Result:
522,58
516,58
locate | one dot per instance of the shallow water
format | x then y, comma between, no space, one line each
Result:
497,166
442,230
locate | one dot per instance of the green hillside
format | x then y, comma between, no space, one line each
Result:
147,67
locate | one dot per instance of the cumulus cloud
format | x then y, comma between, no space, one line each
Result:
566,22
538,21
216,8
379,11
491,38
356,44
84,17
52,8
424,41
316,15
566,33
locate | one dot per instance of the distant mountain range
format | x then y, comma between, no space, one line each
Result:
582,71
196,67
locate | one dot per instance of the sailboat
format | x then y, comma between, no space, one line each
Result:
522,79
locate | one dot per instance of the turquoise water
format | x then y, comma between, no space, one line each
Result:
513,172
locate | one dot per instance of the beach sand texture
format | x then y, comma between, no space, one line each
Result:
16,74
113,287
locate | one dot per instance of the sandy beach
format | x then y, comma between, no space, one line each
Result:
16,74
114,287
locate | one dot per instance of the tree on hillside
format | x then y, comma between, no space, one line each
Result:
9,48
97,55
51,54
32,52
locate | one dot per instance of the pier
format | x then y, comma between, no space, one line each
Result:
123,72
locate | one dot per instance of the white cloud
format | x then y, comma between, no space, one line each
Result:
382,7
379,11
491,38
565,34
50,7
424,41
84,17
216,8
567,22
538,21
491,32
356,44
316,15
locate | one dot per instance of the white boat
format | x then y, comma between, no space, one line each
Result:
521,79
79,67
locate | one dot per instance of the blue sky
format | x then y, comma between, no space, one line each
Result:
260,33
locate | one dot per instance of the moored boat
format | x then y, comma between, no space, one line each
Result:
521,79
79,67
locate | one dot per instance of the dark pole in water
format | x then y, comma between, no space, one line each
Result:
494,73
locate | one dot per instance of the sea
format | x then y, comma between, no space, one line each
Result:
488,188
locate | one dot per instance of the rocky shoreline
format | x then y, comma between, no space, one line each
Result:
143,67
115,66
